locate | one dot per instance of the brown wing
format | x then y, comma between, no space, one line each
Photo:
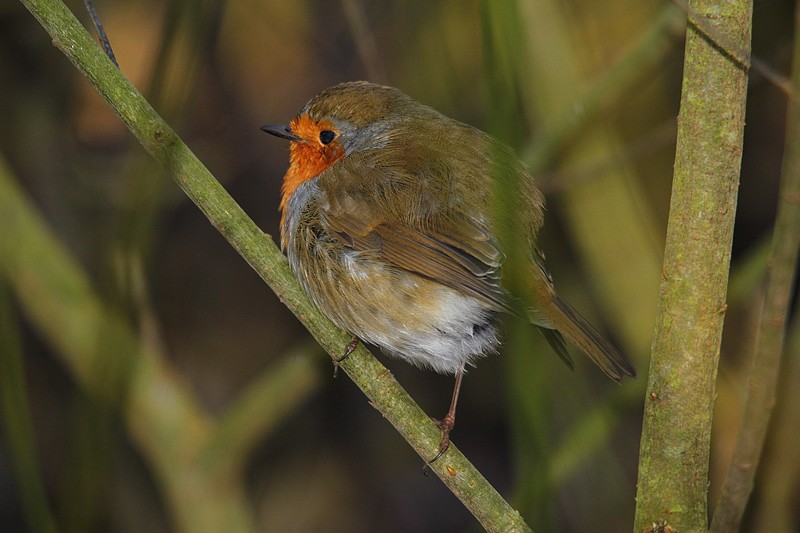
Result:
454,251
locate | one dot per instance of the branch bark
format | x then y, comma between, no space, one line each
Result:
674,453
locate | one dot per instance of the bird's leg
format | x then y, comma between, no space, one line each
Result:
449,421
350,348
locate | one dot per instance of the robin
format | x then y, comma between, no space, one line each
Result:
392,221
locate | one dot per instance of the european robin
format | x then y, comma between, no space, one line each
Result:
391,221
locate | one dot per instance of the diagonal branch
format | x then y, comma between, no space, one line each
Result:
264,257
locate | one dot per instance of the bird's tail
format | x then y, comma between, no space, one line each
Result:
562,319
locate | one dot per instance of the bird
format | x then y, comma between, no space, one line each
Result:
400,225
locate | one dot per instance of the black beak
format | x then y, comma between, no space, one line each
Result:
280,130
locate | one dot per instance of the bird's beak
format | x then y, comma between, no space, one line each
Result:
280,130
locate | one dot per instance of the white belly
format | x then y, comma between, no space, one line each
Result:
418,320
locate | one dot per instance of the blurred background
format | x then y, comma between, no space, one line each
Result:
587,93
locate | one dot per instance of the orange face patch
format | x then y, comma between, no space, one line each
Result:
308,157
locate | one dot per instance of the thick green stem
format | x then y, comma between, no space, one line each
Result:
674,455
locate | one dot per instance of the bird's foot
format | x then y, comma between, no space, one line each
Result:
446,425
350,348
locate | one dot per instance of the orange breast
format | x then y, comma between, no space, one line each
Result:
308,158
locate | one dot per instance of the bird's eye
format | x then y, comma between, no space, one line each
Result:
326,136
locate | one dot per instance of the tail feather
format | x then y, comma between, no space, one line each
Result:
556,317
578,330
556,342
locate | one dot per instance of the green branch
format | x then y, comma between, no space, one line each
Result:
264,257
674,454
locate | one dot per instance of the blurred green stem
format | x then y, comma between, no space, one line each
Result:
537,64
674,454
781,269
364,40
608,217
115,368
186,26
16,417
263,404
776,508
644,56
261,253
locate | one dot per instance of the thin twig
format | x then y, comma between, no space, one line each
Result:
365,40
726,46
101,31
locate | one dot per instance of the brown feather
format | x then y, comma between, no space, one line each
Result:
461,267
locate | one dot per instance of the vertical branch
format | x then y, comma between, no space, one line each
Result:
674,453
772,325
